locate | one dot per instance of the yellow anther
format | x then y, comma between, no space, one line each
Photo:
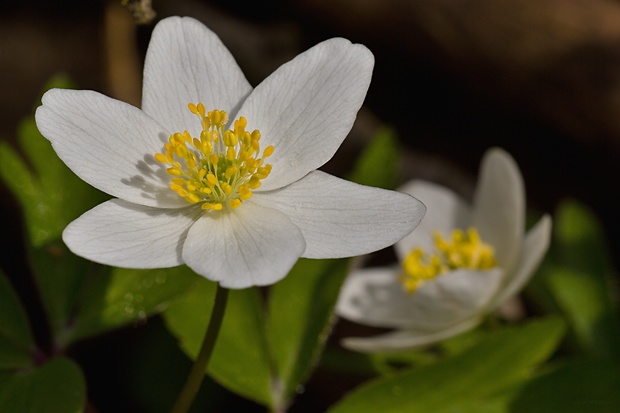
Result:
201,110
178,189
230,171
219,168
212,179
193,198
240,124
461,251
226,188
174,171
254,183
268,151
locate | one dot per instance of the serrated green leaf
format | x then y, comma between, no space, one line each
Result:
378,165
124,296
240,360
575,387
481,379
300,310
16,341
580,278
55,387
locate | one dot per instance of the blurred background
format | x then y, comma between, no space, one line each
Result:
540,79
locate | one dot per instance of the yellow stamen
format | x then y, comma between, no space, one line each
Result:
219,169
461,251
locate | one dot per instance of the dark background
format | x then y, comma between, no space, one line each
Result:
539,78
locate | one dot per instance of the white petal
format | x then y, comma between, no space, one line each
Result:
187,63
454,297
307,107
406,339
499,207
339,218
445,211
248,246
376,297
534,249
109,144
122,234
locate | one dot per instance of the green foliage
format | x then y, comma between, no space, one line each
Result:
55,387
241,360
300,311
574,387
483,378
16,342
378,165
579,278
263,355
126,296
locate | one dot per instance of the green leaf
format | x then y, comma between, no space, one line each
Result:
379,164
580,278
240,360
61,278
126,296
16,341
300,310
481,379
574,387
55,387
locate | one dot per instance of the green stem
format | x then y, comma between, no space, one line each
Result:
192,385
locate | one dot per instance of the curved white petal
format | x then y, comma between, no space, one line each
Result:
187,63
248,246
445,211
307,107
122,234
499,207
376,297
339,218
534,249
368,296
109,144
454,297
406,339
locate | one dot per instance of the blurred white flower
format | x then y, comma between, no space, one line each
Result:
237,201
460,264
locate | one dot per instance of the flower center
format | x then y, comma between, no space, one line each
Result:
220,169
463,250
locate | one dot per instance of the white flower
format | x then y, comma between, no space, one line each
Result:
449,280
234,210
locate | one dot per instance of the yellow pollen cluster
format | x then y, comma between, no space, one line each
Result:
461,251
221,168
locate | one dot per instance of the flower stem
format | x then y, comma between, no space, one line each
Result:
192,385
